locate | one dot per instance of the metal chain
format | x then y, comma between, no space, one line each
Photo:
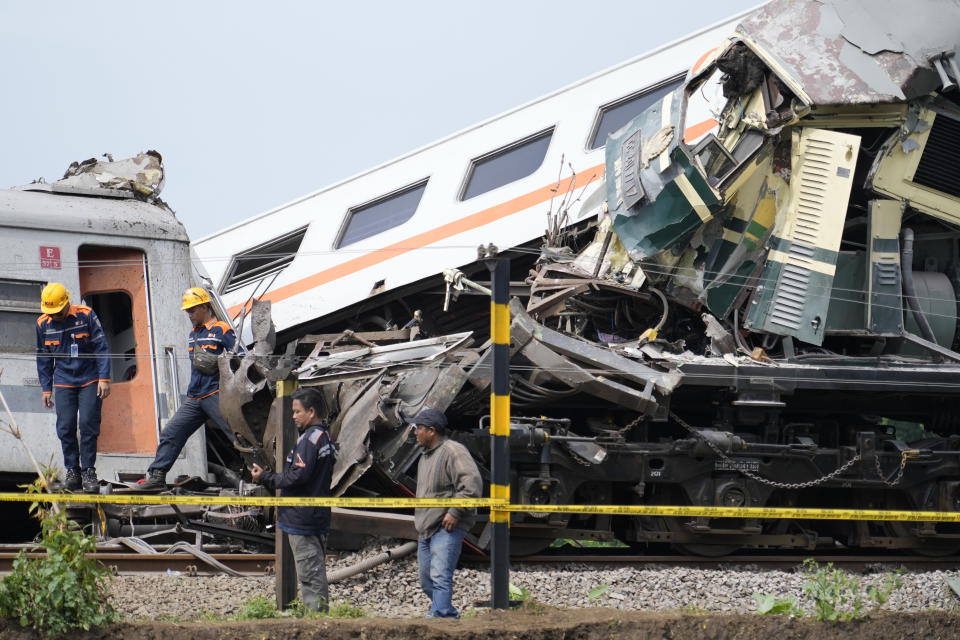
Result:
773,483
639,419
903,465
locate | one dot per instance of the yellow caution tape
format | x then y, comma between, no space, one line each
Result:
760,513
249,501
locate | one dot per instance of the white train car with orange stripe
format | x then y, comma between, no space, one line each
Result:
351,254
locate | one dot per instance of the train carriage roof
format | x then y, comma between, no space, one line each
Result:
859,51
124,217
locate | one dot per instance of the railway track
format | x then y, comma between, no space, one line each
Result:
263,564
184,563
767,561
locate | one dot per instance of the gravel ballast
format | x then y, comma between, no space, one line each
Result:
393,590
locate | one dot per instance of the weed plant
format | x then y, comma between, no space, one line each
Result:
63,591
598,591
834,594
257,608
518,594
838,595
260,607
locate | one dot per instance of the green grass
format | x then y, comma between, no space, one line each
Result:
588,544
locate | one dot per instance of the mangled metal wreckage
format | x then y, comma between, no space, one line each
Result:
766,314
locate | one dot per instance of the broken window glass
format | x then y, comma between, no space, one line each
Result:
264,260
506,164
747,145
615,115
382,214
716,161
705,104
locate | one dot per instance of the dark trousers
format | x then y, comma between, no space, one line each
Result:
71,403
309,553
189,417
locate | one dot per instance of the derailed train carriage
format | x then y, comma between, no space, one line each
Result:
761,310
103,231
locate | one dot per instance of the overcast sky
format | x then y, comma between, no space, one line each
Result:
253,104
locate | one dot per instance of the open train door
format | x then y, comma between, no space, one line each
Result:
113,282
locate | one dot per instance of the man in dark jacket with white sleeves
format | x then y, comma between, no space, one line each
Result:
446,470
307,473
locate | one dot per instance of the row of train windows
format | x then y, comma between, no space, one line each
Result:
485,173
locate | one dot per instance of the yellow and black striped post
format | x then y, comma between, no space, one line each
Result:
500,431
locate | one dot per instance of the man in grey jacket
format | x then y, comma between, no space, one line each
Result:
446,470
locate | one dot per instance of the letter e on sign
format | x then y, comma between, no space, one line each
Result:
49,257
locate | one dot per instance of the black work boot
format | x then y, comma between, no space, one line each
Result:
90,482
72,481
156,479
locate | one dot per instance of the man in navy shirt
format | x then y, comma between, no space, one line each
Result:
212,337
307,473
73,356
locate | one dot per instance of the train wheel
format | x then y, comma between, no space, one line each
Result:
674,525
707,550
927,547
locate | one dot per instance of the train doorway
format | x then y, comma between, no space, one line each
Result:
113,282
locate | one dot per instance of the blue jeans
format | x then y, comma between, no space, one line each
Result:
437,557
191,415
69,403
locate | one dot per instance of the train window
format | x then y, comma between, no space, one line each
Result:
263,260
115,311
613,116
19,310
506,164
384,213
18,332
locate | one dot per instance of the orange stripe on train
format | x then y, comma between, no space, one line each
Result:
467,223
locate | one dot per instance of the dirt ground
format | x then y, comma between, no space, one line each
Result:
546,624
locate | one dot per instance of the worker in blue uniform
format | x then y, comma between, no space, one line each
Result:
208,338
74,358
307,473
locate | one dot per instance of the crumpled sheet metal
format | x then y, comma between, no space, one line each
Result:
352,430
563,355
856,51
141,175
239,388
381,405
368,360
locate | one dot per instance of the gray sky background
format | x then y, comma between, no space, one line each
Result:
253,104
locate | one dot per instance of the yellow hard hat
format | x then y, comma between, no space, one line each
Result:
54,298
194,296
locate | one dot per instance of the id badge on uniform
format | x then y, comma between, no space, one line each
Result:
74,350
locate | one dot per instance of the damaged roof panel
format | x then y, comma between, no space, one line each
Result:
855,51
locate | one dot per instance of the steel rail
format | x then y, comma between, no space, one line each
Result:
262,564
249,564
766,561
